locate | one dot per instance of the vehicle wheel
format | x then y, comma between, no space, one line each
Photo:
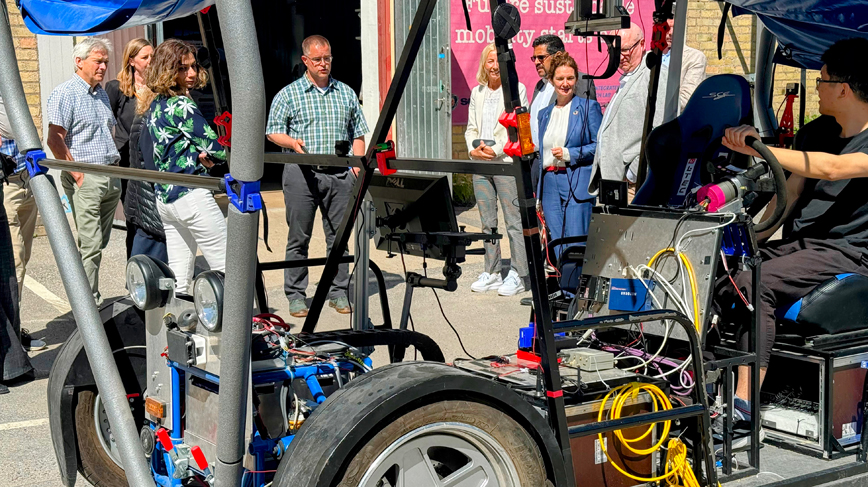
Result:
97,465
99,455
449,444
421,424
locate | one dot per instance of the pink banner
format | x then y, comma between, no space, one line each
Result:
538,17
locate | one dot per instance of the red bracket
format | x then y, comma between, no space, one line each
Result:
385,152
658,38
225,120
786,127
205,10
512,149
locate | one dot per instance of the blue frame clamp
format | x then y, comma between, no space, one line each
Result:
247,199
31,161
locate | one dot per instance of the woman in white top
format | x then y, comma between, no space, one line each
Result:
568,131
485,140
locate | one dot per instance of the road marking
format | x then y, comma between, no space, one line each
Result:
23,424
59,303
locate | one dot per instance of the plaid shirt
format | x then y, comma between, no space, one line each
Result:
10,148
87,117
319,118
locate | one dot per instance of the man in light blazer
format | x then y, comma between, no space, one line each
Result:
693,64
544,47
620,137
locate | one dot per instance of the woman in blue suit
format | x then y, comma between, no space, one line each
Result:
568,134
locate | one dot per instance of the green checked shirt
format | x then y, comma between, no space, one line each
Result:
319,118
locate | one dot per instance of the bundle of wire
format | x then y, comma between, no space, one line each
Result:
685,380
678,471
681,302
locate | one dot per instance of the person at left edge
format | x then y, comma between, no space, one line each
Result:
307,117
80,123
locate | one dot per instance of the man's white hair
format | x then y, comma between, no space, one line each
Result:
88,45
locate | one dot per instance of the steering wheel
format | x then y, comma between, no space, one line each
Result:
770,164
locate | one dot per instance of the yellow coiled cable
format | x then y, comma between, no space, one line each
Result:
678,471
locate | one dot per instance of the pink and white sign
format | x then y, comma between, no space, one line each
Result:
538,17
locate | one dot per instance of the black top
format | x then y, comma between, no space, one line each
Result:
124,109
835,211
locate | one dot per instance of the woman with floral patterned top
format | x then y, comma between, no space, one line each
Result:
185,144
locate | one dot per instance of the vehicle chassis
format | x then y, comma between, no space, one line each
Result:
236,20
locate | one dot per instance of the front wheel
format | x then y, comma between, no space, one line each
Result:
448,444
100,464
421,424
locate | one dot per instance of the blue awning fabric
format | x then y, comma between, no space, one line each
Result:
90,17
806,28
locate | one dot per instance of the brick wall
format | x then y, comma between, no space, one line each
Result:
28,62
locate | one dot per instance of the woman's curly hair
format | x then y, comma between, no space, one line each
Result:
167,59
559,59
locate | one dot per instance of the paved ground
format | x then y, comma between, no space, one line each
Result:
487,324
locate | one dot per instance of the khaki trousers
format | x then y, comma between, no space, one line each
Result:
93,206
21,212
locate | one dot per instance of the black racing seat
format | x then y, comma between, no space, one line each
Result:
678,150
838,305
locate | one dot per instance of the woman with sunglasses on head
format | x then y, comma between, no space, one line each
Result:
568,140
184,143
485,140
122,98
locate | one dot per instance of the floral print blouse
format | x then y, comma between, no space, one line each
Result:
180,133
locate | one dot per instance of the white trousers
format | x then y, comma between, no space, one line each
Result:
193,220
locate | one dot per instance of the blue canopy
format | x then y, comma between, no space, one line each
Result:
90,17
806,28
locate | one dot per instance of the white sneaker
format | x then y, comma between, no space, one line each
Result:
486,282
512,285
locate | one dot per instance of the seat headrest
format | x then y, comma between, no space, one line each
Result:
676,151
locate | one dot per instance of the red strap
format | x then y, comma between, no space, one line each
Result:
557,393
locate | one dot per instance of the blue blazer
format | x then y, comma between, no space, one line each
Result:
581,142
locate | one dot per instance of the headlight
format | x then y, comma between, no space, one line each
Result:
208,297
149,281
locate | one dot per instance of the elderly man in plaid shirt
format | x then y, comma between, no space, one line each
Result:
80,123
309,116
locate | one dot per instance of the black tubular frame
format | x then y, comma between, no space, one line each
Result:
262,296
703,451
519,170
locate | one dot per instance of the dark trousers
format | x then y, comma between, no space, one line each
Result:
144,244
789,271
13,359
305,190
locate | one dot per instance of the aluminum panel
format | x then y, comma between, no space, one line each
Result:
616,242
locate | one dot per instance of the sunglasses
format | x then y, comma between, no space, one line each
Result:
542,58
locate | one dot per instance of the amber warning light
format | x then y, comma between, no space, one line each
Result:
155,408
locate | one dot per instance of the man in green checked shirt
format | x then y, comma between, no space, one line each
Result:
308,117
